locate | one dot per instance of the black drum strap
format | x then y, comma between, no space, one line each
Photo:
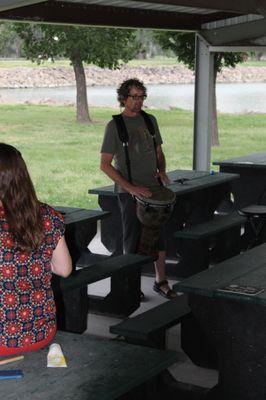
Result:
123,136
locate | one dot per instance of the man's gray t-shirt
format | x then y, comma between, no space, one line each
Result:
140,147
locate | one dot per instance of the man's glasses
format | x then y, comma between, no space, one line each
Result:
136,97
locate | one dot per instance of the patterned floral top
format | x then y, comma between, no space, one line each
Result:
27,308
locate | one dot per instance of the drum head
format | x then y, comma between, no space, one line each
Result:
161,196
156,210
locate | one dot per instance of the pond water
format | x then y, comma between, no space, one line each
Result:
231,98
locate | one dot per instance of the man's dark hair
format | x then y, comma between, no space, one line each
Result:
124,89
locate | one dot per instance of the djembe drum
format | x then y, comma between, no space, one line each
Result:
153,212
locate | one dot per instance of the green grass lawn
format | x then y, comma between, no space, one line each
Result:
151,62
63,156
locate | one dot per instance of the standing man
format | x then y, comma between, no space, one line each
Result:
145,170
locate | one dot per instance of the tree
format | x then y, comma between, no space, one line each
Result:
148,46
10,43
183,46
105,47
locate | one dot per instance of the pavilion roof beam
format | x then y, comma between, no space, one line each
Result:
9,4
236,6
88,14
236,49
236,34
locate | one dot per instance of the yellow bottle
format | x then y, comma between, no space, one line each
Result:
55,356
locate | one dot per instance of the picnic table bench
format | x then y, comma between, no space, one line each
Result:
97,369
149,328
223,228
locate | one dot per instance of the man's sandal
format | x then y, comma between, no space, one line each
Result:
170,294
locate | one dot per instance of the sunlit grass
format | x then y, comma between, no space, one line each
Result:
63,156
22,62
254,63
151,62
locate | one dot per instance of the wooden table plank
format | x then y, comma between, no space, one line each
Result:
196,180
101,270
74,214
202,182
254,160
217,225
173,175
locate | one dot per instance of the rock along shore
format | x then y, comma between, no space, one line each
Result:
25,77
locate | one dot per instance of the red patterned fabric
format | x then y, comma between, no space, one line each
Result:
27,308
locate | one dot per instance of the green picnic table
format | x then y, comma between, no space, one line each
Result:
199,194
71,297
97,369
229,302
250,188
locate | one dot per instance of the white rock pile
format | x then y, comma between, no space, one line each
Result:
64,76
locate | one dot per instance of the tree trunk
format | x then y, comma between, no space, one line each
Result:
82,114
214,120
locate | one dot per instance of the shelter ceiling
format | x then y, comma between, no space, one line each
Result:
161,14
186,15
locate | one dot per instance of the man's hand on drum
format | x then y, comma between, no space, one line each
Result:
139,191
163,177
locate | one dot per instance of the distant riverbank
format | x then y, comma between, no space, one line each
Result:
231,97
27,77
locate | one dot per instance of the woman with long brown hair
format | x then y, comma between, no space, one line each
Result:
32,246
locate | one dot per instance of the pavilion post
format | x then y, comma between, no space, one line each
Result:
203,105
